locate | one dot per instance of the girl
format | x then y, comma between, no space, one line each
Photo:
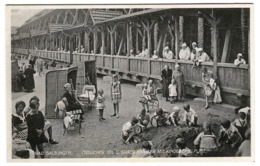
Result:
173,90
100,104
206,76
190,116
116,95
145,93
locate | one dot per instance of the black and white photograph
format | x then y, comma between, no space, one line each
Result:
130,82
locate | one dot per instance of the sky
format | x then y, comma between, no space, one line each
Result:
19,16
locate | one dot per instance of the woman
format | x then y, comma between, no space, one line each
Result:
29,80
209,92
178,76
18,120
116,95
151,91
32,61
74,104
35,122
39,65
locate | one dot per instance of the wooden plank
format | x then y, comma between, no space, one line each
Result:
227,46
176,27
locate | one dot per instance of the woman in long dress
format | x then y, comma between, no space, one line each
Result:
29,80
178,76
116,95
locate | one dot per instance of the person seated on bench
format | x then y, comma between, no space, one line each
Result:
73,102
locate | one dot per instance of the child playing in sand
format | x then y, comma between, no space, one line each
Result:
241,124
145,93
173,90
174,117
230,134
101,104
183,151
190,116
206,141
162,116
127,130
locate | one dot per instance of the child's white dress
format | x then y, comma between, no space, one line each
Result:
172,90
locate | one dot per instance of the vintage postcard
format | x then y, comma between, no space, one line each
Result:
130,83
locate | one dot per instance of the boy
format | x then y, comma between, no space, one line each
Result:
183,151
174,117
206,141
241,124
127,130
229,133
190,116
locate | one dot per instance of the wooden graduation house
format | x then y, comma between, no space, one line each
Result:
108,36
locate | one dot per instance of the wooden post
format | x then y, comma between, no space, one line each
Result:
111,30
227,45
200,32
103,34
215,46
136,40
181,24
143,40
79,42
128,43
243,36
95,38
156,29
87,44
176,28
71,49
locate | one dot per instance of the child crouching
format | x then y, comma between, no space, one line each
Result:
128,130
190,116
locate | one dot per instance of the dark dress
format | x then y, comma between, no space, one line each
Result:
35,121
166,78
73,104
29,80
32,62
19,82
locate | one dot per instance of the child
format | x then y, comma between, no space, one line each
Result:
190,116
245,148
207,141
116,95
162,116
143,118
174,117
173,90
127,130
68,122
100,104
230,134
183,151
246,110
241,124
145,93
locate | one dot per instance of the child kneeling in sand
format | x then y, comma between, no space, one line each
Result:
206,141
183,150
174,117
128,130
229,133
190,116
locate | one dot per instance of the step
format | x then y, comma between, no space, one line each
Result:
107,78
224,105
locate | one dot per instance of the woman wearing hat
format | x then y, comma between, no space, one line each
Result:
29,80
239,60
184,52
167,53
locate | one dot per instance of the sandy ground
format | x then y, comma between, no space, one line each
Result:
103,139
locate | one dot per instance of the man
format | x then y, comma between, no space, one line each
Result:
178,76
29,80
184,52
240,60
166,78
47,125
168,54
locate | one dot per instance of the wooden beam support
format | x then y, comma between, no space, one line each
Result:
227,46
177,46
200,32
181,28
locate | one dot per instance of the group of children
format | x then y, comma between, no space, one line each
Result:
235,134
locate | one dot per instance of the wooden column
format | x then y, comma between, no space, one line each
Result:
243,32
128,38
155,34
200,32
227,44
143,39
215,46
181,22
79,42
71,48
111,29
95,37
177,46
87,44
103,42
136,40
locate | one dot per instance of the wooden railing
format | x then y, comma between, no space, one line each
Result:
233,79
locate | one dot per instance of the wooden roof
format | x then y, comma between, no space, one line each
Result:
38,32
100,15
58,27
24,35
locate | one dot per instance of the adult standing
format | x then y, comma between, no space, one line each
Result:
39,65
178,76
29,80
116,95
166,78
167,53
32,61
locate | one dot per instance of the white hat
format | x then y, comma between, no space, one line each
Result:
239,54
194,43
167,48
200,49
184,45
